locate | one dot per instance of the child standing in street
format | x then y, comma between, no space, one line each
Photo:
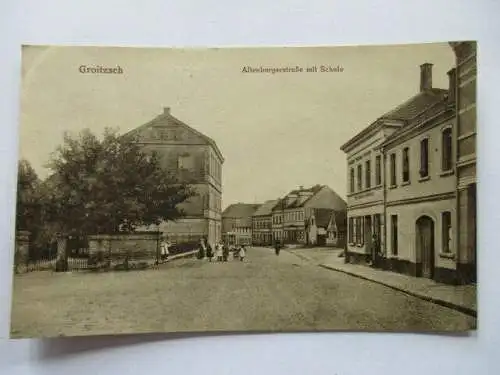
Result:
242,253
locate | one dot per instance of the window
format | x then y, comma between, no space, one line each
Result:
378,170
394,234
352,229
368,177
359,231
447,150
352,180
446,222
185,162
424,158
393,169
406,164
360,177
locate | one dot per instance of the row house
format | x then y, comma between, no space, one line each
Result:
262,234
291,215
237,223
420,199
189,157
465,140
403,216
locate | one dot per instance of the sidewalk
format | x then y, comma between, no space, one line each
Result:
458,297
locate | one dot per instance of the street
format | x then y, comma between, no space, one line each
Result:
263,293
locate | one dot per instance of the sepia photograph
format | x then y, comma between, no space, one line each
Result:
246,189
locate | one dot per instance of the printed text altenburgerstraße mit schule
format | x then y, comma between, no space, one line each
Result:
294,69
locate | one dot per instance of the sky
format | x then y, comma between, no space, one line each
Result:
276,131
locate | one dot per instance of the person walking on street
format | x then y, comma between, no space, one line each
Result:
242,253
277,248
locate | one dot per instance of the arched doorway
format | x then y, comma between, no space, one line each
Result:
425,245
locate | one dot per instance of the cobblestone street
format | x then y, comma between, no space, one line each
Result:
264,293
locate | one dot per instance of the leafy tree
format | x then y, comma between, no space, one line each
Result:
103,186
28,205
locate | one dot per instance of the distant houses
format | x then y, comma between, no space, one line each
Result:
237,223
291,216
262,234
312,216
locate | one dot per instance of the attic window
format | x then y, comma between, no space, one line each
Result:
185,161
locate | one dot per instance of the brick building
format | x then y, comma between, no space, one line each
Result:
194,159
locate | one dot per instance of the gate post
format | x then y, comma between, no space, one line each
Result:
62,254
21,254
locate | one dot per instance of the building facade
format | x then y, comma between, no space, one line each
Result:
465,140
237,223
409,220
420,198
262,234
192,158
291,214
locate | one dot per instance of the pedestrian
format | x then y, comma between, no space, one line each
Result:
202,251
164,250
277,248
210,251
218,252
225,252
242,253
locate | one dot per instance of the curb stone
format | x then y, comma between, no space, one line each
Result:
463,309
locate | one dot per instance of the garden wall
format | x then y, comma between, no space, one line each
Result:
137,246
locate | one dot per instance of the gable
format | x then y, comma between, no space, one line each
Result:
166,130
326,198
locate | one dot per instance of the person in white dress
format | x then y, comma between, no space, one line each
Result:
242,253
164,248
218,252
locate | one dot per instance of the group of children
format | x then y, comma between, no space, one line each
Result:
221,251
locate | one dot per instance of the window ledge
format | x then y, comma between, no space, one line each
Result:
359,245
406,183
447,173
393,186
423,179
392,256
447,255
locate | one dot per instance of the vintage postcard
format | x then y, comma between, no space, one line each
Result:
246,189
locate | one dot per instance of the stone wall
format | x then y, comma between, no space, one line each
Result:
137,246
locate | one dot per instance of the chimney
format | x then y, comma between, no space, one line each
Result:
425,77
452,89
301,187
166,110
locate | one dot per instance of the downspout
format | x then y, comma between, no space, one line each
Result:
457,182
384,203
